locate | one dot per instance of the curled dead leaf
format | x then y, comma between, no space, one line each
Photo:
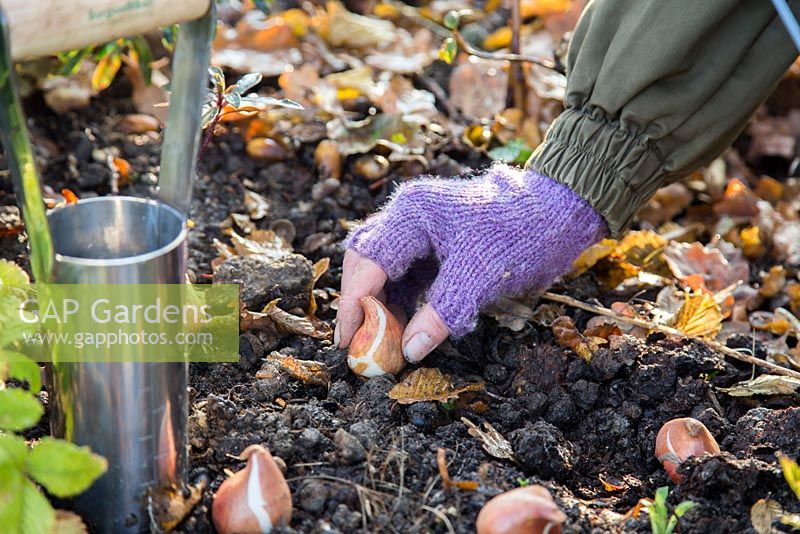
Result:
693,263
764,385
699,316
429,384
493,442
272,317
763,515
309,371
567,336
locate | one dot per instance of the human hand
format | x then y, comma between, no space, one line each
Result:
467,242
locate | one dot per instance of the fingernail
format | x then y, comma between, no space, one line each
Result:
418,347
336,336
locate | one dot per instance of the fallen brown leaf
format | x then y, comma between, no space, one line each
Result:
429,384
493,442
699,316
309,371
568,336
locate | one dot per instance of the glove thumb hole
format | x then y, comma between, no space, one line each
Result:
424,332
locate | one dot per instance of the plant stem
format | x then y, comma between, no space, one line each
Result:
499,56
516,78
211,127
719,347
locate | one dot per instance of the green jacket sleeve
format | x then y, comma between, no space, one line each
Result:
656,89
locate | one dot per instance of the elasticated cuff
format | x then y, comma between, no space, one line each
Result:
614,170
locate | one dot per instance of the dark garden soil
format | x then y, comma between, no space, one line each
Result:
572,425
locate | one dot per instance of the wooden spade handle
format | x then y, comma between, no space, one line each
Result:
43,27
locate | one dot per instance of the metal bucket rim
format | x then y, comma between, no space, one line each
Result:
130,260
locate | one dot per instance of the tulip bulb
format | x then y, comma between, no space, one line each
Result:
679,439
254,499
527,510
376,348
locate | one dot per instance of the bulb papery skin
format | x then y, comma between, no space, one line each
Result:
680,439
376,348
255,499
526,510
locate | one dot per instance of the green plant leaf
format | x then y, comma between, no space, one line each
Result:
168,36
11,482
256,100
12,276
64,468
247,82
19,366
38,515
791,472
106,49
71,61
234,99
13,452
684,507
217,78
23,508
106,70
18,409
451,20
263,5
515,151
144,57
210,111
448,50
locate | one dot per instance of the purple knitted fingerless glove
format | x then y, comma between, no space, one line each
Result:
500,233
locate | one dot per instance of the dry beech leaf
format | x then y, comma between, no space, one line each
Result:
769,189
272,317
256,205
636,252
441,463
763,514
773,281
493,442
611,484
699,316
309,371
779,322
764,385
738,201
510,313
260,242
348,29
69,523
429,384
317,270
793,292
602,330
568,337
592,255
693,263
750,242
171,506
665,204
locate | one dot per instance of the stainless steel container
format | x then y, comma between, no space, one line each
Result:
133,413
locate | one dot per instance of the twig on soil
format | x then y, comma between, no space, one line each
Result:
433,86
517,93
440,515
500,56
719,347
